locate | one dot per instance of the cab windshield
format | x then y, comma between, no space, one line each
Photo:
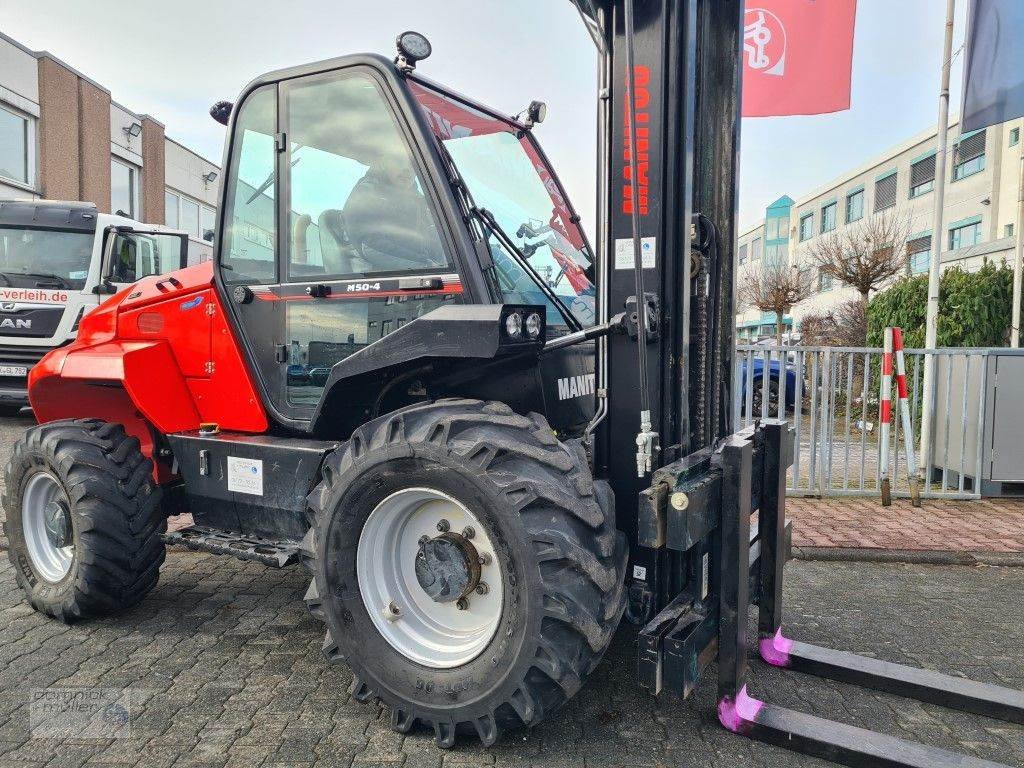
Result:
44,258
506,174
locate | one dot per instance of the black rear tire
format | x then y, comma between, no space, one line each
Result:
114,512
562,563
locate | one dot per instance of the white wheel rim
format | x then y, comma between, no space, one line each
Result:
438,635
51,561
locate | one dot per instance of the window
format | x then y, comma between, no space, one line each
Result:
124,189
184,213
373,217
964,236
828,218
506,173
206,223
1008,230
918,250
777,228
743,253
806,275
1014,137
755,249
322,333
969,156
922,176
774,254
885,192
171,202
26,253
806,226
16,146
250,233
824,281
190,216
855,206
137,255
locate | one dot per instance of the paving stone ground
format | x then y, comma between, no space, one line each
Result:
227,671
984,525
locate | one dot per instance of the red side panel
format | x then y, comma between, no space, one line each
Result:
158,353
228,396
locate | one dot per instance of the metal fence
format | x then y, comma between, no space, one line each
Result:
831,397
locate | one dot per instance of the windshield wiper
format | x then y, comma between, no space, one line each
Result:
6,279
42,276
487,219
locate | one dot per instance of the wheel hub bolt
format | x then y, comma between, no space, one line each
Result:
443,526
482,588
468,532
393,612
462,604
484,559
423,540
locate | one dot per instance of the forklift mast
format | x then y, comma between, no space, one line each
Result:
686,103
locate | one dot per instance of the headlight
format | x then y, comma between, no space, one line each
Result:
514,325
533,325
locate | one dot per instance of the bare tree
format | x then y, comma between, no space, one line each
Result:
864,254
775,288
842,326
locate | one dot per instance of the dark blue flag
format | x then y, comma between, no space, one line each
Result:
994,63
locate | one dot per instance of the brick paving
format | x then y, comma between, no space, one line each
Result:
979,526
226,670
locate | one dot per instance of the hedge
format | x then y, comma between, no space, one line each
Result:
974,308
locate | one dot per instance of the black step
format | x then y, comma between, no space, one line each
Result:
274,553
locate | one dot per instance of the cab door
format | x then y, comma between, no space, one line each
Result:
331,236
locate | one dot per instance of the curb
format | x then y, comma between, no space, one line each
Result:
913,556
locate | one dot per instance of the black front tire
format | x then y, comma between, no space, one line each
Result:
562,562
114,511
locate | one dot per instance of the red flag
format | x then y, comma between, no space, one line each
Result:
797,56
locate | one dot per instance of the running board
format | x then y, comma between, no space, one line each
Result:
270,552
922,684
828,739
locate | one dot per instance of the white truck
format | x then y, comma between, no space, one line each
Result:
60,259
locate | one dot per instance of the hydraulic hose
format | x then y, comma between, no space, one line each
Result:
646,439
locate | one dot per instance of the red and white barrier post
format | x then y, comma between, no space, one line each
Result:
905,423
885,417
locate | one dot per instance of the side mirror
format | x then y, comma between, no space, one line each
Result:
221,111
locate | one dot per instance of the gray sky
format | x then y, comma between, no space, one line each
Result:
505,53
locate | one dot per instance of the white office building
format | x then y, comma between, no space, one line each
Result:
979,217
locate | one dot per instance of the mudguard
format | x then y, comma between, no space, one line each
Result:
450,339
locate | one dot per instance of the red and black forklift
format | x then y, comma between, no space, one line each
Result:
489,442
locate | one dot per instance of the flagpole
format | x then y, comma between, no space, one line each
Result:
1018,256
932,316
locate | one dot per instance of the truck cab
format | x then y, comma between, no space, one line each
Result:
59,260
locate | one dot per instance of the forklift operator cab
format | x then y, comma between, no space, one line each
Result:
341,224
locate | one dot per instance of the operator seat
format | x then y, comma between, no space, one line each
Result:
339,255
